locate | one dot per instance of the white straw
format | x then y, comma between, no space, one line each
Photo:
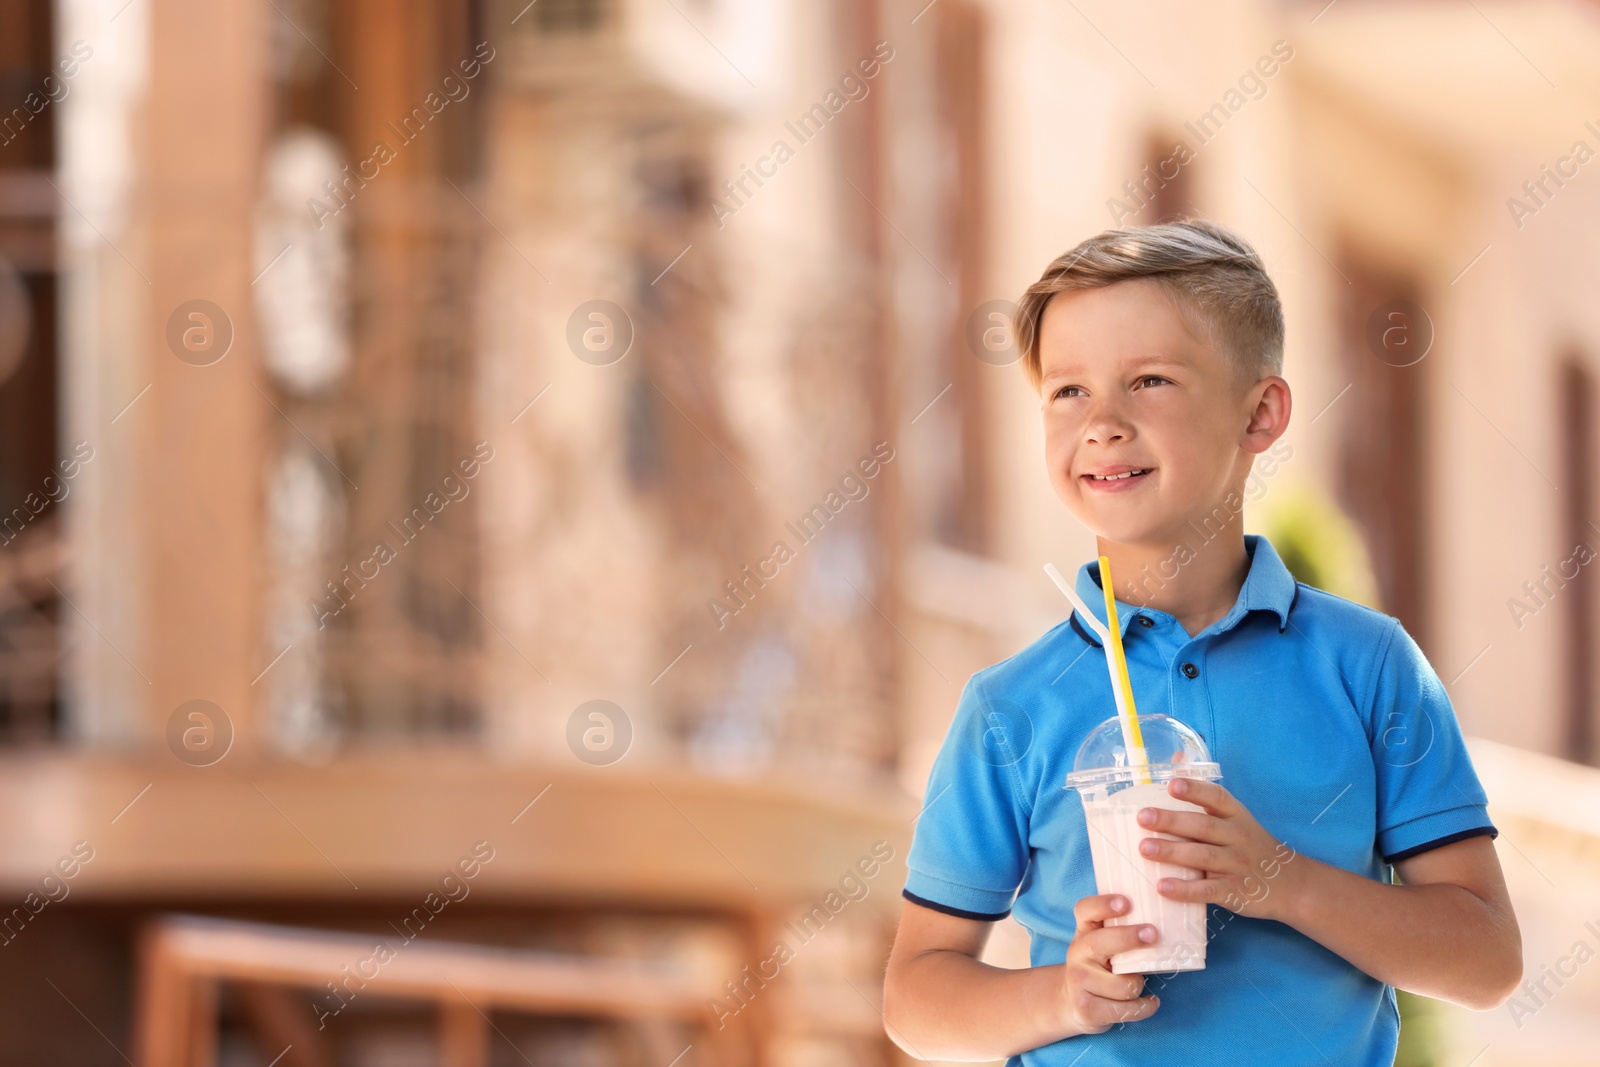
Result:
1136,753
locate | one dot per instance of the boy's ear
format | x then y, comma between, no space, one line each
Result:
1270,404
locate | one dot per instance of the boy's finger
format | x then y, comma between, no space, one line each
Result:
1099,909
1209,795
1194,890
1108,986
1190,824
1102,944
1190,854
1111,1012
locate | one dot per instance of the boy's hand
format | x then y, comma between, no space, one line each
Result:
1097,999
1243,866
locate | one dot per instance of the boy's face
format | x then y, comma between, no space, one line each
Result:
1127,387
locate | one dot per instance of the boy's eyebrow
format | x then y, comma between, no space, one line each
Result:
1158,360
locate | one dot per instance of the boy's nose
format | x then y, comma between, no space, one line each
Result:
1104,428
1104,422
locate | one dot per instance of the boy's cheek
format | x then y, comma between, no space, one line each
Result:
1057,457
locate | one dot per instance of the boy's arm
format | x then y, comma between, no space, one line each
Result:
1448,932
941,1002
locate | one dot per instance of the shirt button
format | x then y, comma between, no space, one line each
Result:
1145,621
1190,670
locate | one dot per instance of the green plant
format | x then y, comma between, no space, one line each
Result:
1319,544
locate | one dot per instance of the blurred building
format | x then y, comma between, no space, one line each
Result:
409,410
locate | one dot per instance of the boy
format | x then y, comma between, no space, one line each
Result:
1157,355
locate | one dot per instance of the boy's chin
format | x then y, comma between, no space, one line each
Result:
1133,531
1115,532
1113,523
1132,539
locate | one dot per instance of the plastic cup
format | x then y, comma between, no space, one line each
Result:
1113,792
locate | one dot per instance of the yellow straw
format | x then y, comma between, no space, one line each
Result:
1130,714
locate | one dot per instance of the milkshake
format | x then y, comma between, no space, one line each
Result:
1113,792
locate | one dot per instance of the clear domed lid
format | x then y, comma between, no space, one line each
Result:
1173,750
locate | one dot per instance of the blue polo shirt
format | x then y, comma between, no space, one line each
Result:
1329,726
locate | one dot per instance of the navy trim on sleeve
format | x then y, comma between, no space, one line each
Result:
1447,839
957,912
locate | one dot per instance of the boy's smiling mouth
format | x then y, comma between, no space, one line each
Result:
1116,478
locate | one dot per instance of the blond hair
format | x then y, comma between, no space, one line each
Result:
1199,263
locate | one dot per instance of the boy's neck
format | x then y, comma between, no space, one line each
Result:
1195,579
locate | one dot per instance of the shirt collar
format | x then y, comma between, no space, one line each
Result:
1268,586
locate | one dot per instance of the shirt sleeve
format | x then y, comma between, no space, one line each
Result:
969,850
1428,793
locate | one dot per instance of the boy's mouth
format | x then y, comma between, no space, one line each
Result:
1117,478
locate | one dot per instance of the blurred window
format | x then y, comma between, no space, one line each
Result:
32,486
963,509
1383,450
1575,395
570,16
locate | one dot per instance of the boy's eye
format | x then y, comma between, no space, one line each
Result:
1070,391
